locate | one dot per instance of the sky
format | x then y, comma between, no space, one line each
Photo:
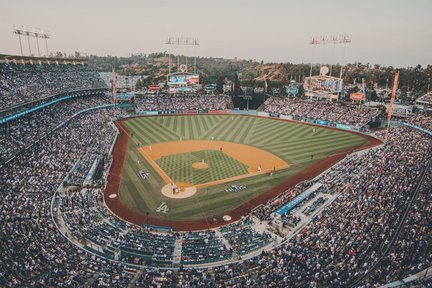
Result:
385,32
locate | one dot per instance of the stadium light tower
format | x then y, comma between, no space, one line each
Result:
331,39
181,41
31,32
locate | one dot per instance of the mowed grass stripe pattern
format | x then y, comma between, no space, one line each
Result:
293,142
221,166
298,144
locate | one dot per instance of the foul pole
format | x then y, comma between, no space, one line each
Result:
389,114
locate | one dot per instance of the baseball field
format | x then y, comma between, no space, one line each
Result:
209,153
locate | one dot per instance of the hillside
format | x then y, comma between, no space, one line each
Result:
251,73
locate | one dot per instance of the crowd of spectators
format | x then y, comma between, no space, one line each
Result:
203,246
264,211
86,219
33,252
352,234
243,238
318,110
22,83
21,132
98,152
412,251
337,247
422,121
183,102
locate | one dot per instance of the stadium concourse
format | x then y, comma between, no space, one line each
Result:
365,221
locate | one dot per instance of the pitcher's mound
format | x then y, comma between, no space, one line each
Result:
200,165
184,190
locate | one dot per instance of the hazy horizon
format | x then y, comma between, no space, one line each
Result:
395,33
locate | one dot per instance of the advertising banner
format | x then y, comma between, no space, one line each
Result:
210,87
343,126
183,79
177,80
286,117
154,88
322,122
192,79
244,112
263,114
259,90
184,89
212,111
357,96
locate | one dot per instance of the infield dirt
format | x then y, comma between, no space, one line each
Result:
257,160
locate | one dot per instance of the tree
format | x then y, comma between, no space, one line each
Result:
138,85
237,89
203,78
374,96
301,91
146,81
382,110
220,83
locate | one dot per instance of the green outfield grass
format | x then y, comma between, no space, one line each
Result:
295,143
221,166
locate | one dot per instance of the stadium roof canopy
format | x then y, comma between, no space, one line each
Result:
425,99
4,58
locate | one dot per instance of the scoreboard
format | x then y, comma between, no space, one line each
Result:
323,84
183,79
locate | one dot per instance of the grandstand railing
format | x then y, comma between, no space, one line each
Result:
51,131
71,93
412,280
33,109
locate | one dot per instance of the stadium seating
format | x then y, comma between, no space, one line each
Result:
25,130
243,238
183,103
21,83
317,110
202,247
337,247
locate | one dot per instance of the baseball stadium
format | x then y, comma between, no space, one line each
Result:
175,169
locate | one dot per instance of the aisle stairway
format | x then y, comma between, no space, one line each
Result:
177,250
